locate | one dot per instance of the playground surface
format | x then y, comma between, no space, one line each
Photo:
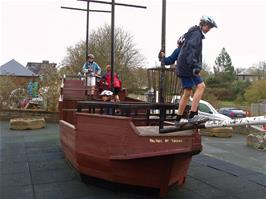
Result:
33,166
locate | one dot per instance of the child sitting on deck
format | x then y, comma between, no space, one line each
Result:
107,97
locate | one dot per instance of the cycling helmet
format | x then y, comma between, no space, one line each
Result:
106,93
181,40
209,21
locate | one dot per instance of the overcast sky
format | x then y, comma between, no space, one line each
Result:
32,31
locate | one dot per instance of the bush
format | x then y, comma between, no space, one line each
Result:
210,97
256,91
6,86
52,97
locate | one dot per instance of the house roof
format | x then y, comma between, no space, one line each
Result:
14,68
37,67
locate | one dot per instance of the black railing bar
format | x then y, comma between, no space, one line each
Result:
118,4
131,103
96,103
85,104
82,9
116,103
123,109
112,106
139,106
159,68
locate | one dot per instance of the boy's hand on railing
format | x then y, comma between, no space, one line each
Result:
161,55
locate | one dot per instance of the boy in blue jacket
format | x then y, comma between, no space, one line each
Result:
91,70
173,57
188,67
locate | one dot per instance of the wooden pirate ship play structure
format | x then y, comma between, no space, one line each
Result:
126,142
124,146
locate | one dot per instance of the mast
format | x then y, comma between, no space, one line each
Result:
113,4
87,31
162,70
162,73
112,44
87,22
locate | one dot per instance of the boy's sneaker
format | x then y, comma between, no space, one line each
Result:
197,119
180,122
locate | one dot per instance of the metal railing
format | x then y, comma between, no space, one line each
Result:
148,113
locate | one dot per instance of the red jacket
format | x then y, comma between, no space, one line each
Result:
117,81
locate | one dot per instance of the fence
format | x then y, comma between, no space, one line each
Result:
258,108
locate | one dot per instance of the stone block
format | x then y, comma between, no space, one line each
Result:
217,132
257,141
26,123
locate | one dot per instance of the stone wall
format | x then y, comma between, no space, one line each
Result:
20,81
6,114
257,141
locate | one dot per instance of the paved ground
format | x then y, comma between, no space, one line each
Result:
33,166
234,150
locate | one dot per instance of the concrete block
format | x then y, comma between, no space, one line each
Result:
26,123
217,132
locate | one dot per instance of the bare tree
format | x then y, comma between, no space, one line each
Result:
127,56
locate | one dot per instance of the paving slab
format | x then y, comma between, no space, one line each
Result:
48,165
33,166
235,150
48,190
15,179
21,192
14,167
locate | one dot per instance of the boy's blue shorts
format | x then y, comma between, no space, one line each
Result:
189,82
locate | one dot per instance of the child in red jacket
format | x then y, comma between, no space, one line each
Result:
117,82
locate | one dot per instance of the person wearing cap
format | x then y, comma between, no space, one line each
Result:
91,70
188,67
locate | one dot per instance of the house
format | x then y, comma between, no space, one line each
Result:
15,69
19,73
244,75
39,68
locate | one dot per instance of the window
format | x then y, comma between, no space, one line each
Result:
204,108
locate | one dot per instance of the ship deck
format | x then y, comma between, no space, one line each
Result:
154,131
33,166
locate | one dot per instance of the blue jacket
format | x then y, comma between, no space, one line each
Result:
29,88
91,68
172,58
190,55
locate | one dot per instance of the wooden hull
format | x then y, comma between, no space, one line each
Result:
114,149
